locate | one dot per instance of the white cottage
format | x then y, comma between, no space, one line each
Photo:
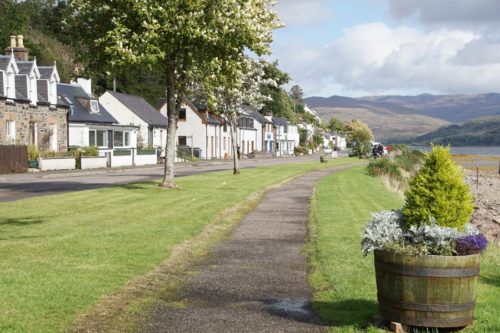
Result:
135,111
287,137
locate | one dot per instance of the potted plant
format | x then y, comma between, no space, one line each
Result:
426,254
33,155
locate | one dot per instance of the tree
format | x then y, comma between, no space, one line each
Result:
438,193
190,38
296,94
239,84
359,137
335,125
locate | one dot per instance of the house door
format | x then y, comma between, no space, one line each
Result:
110,139
150,137
33,134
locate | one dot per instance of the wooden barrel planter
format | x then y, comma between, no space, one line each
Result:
427,291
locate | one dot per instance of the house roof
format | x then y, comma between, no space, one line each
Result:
141,108
213,120
25,67
4,62
69,94
280,121
259,117
46,72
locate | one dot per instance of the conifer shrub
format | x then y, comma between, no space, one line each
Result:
438,194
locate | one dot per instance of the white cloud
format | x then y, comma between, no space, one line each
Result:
376,59
303,13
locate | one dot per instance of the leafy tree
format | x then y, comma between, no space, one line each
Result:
438,193
335,125
239,84
359,137
192,39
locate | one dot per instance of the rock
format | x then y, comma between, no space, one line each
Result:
396,327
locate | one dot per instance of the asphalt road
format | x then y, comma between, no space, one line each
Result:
19,186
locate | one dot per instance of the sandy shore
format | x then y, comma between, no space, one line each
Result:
486,191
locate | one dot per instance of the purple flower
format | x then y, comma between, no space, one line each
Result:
471,244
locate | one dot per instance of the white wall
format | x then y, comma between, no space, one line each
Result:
93,162
47,164
192,127
258,128
244,137
78,135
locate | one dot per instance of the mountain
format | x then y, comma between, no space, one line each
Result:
479,132
395,118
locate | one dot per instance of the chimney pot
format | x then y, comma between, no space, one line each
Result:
20,42
13,41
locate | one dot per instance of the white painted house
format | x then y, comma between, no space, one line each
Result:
90,124
200,131
287,136
134,111
249,133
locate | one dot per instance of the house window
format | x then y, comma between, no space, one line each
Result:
94,106
225,127
182,141
121,139
11,132
102,138
92,142
182,114
286,129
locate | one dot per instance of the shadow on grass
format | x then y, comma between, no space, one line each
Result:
359,313
491,280
19,221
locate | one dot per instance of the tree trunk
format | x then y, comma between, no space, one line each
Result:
236,168
172,115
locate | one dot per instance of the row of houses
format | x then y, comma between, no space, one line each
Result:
37,109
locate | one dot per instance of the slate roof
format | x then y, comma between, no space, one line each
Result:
45,72
25,67
69,94
280,121
259,117
141,108
4,62
212,120
21,86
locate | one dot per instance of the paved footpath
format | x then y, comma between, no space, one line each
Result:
256,280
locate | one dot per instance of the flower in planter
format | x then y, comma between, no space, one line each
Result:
471,244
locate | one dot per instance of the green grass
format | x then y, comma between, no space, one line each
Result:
61,254
344,280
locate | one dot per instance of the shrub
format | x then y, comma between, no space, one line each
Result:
84,151
33,153
383,229
384,166
409,159
438,193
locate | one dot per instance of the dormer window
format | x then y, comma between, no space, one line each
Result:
94,106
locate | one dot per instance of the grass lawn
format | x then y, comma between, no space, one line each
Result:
344,280
60,254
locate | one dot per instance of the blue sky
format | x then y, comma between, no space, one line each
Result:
374,47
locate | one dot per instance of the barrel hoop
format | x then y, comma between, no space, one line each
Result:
410,320
426,307
425,271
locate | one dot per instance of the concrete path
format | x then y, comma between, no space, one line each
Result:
256,280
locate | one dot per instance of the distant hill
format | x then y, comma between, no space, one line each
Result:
479,132
394,118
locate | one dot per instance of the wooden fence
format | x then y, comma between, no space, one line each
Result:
13,159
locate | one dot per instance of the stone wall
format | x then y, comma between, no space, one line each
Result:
43,115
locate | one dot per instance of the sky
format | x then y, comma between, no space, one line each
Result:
398,47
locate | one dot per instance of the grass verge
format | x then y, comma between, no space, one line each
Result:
61,255
344,280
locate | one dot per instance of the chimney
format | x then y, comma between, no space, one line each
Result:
86,84
17,47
